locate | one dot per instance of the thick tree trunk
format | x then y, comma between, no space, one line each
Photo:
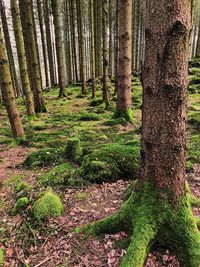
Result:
32,53
123,105
8,94
92,48
22,59
79,7
49,41
105,22
41,22
160,208
9,49
59,48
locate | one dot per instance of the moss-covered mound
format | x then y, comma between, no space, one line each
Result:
111,162
73,150
46,206
60,175
44,157
88,116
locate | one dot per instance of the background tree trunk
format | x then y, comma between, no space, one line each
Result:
8,94
22,59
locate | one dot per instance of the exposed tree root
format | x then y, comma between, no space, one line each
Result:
149,220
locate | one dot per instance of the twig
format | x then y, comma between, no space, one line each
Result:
39,264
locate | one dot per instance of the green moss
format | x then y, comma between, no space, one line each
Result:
81,196
96,102
193,150
20,205
194,71
111,162
194,120
84,116
126,114
73,150
114,122
194,63
149,218
39,126
46,206
1,257
60,175
44,157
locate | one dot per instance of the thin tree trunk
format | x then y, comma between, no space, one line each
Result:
59,48
49,40
198,41
68,42
31,53
41,22
92,48
79,6
116,45
105,23
22,59
8,94
123,105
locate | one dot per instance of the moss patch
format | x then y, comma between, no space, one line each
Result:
1,257
60,175
111,162
46,206
20,205
73,150
126,114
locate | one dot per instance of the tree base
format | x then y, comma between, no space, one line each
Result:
126,114
148,219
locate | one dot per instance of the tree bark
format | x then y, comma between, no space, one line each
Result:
8,94
59,49
105,22
159,208
198,41
9,50
41,22
31,49
92,48
123,105
79,7
49,41
22,59
116,45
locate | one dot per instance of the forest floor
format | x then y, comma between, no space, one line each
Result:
49,243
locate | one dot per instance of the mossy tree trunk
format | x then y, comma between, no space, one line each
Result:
59,49
49,41
41,22
123,105
92,48
159,208
31,49
8,94
22,59
105,22
9,49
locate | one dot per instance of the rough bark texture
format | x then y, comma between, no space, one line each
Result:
8,94
116,45
123,106
59,49
105,22
22,59
198,41
160,206
32,53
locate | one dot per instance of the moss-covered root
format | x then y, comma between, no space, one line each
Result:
126,114
110,225
149,220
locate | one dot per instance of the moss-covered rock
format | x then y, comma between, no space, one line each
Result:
111,162
44,157
60,175
47,205
1,257
73,150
